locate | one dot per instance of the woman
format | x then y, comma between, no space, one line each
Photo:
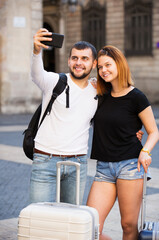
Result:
121,157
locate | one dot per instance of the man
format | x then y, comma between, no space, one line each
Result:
64,133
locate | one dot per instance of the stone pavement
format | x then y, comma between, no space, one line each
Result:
15,174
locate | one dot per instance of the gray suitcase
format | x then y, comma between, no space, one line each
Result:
59,221
149,230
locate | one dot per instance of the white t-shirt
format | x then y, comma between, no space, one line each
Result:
66,130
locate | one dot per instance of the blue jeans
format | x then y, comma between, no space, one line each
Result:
43,179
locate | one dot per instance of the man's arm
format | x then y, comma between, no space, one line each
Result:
43,79
139,135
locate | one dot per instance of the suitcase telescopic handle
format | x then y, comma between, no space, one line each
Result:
68,163
143,208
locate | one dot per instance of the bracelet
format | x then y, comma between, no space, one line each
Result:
146,150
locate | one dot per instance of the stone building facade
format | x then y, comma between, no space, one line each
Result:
131,25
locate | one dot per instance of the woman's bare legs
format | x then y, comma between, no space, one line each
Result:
129,197
102,196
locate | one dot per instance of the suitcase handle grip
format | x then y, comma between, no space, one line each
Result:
68,163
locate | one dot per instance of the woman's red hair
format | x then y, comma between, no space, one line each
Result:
124,74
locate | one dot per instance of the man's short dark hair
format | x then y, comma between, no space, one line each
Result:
81,45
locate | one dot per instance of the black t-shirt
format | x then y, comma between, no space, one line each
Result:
115,125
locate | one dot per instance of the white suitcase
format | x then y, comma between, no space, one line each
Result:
59,221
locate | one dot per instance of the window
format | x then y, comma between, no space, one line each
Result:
49,2
138,28
93,24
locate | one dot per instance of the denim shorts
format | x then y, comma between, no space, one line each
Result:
126,169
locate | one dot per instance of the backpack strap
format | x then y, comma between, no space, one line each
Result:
58,89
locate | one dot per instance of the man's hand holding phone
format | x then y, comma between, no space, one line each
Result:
43,39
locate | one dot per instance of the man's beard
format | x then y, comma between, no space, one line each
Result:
80,77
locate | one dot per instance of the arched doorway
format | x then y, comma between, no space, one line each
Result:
49,54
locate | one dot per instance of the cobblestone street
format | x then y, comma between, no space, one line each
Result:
15,175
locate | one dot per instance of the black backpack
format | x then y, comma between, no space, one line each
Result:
30,132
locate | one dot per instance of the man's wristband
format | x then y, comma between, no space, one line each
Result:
146,150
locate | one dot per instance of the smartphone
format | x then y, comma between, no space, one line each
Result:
57,40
